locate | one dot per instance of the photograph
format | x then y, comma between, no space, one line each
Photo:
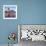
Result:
9,11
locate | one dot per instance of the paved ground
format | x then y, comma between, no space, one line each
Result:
30,43
7,45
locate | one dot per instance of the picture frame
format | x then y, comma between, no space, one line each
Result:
9,11
36,32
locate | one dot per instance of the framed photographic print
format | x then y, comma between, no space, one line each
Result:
9,11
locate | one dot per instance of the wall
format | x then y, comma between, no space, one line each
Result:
28,12
34,12
7,26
